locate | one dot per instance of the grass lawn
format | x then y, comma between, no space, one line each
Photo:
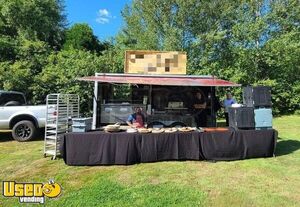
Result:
256,182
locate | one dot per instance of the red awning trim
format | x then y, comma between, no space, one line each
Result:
168,80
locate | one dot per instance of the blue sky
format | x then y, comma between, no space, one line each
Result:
104,16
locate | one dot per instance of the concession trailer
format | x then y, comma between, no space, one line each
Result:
165,99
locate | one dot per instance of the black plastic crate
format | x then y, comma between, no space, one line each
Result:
241,117
257,96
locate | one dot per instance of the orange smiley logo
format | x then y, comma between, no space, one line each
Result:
51,189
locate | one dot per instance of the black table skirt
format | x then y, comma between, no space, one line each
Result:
100,148
237,145
170,146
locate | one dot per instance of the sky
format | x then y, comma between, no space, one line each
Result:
104,16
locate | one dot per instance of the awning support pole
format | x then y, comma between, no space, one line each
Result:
95,105
212,101
150,97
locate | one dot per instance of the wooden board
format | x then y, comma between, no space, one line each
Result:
155,62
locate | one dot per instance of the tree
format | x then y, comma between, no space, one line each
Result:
157,24
81,37
29,30
61,73
38,19
30,59
7,48
249,42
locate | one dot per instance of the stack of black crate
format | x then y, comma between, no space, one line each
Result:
256,112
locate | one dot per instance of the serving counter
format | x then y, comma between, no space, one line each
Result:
121,148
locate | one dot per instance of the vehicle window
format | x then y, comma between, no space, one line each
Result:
5,98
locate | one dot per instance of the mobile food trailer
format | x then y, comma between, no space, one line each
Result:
159,85
157,82
166,99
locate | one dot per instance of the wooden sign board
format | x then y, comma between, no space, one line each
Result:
155,62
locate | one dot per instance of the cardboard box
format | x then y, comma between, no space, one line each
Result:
155,62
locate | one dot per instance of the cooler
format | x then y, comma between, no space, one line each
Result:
263,118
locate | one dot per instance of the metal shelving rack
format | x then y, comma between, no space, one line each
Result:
61,108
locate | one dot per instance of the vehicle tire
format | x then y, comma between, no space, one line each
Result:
24,131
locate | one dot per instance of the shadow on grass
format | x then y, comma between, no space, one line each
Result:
285,147
7,137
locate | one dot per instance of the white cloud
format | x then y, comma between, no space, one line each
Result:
102,20
103,13
104,16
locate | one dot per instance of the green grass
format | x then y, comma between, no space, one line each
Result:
256,182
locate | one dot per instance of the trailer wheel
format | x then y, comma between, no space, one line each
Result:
24,131
178,124
156,123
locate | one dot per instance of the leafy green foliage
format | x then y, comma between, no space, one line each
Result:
61,72
248,42
7,48
29,30
81,37
29,61
41,19
251,43
157,24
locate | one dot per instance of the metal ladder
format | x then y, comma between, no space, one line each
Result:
60,109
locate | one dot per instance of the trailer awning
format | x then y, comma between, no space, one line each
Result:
166,80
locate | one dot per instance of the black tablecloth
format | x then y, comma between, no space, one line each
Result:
237,145
100,148
170,146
